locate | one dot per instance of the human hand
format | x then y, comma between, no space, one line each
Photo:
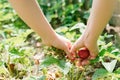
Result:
88,43
60,42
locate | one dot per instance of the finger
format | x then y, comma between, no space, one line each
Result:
69,54
69,45
85,62
78,62
76,46
93,54
67,50
93,49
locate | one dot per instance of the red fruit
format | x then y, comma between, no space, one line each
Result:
83,53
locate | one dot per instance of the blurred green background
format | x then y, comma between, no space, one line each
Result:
58,12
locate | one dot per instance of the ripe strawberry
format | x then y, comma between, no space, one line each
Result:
83,53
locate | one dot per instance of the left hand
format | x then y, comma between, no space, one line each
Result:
60,42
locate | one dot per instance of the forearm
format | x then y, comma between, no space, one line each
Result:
32,15
99,17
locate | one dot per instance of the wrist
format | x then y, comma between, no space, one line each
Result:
89,39
49,38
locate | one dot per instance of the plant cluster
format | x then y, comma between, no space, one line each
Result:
24,57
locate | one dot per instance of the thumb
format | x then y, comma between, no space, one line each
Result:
94,53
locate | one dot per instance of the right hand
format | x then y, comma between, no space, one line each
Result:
90,44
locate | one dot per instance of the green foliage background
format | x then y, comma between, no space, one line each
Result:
58,13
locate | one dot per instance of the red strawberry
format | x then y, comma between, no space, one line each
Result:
83,53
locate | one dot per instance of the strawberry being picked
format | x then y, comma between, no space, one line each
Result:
83,53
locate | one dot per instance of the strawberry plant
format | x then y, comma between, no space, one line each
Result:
24,57
19,50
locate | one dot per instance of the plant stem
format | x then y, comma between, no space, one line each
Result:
8,64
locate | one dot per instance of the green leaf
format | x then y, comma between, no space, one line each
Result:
70,35
67,68
19,40
112,56
86,15
115,51
102,52
61,64
51,60
99,73
79,26
42,78
117,71
94,60
62,29
109,66
32,78
1,63
17,51
109,36
25,61
2,70
109,44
